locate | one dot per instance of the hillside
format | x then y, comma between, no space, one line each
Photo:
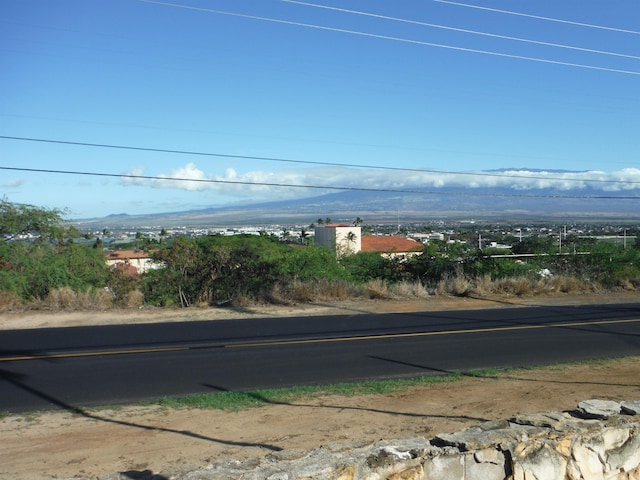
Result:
389,207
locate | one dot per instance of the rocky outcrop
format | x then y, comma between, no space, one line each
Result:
599,441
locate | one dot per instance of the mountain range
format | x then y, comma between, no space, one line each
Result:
462,203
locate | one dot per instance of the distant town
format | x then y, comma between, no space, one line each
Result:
483,234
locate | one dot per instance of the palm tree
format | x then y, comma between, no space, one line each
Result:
303,236
351,238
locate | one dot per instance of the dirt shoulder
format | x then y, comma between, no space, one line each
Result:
96,443
45,319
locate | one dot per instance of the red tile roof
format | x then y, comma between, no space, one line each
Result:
390,244
127,254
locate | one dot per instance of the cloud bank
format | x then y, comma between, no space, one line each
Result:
260,183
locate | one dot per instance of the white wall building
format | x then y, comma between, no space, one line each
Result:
339,238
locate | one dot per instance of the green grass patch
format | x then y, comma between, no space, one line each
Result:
257,398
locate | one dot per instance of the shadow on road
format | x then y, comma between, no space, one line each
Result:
499,377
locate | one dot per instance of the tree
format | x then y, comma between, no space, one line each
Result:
286,235
50,260
176,280
351,239
304,235
536,244
365,266
40,223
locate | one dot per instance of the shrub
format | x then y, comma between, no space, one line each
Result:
61,298
102,299
460,286
519,286
409,290
378,289
9,300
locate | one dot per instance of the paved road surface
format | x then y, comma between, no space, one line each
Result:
85,366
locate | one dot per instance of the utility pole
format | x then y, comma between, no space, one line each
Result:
560,241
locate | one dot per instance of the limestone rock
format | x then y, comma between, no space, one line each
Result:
588,463
549,446
555,420
478,438
539,461
445,467
627,456
412,473
484,465
598,408
631,408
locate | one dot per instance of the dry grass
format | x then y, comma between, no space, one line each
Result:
66,298
409,290
134,299
378,289
323,290
331,290
462,286
9,301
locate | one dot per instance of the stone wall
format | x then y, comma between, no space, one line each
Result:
598,441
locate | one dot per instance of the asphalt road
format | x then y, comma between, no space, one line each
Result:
86,366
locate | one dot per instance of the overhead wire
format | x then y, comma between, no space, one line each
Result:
333,187
393,38
321,187
462,30
311,162
550,19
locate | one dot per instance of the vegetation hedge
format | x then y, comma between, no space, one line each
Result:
41,261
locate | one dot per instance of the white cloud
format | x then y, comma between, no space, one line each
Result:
188,177
13,183
259,183
130,178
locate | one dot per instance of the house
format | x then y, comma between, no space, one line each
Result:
130,260
347,239
392,247
338,237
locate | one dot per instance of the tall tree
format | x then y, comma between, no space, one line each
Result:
40,223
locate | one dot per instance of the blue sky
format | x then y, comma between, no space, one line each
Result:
404,84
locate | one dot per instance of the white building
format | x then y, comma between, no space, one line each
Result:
340,238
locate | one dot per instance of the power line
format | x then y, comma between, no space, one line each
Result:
395,39
310,162
509,12
320,187
462,30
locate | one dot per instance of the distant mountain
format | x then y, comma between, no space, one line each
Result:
425,204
